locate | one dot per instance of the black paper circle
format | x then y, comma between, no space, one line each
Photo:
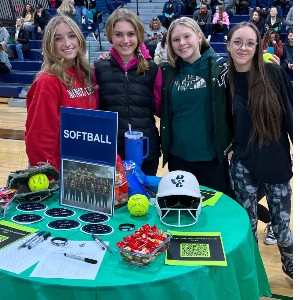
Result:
63,224
31,206
27,218
97,229
59,212
94,218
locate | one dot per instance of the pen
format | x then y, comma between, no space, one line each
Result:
88,260
35,237
97,238
39,240
98,242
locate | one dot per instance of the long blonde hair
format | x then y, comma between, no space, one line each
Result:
54,63
123,14
192,24
67,7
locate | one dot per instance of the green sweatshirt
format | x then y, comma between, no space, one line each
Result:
192,131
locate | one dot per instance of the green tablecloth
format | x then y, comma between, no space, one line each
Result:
244,277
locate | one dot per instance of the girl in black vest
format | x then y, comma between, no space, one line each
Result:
129,83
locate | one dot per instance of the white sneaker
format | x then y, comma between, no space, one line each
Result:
270,238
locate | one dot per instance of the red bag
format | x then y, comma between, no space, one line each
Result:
121,187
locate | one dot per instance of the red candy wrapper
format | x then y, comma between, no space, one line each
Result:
144,246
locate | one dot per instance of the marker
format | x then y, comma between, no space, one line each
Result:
39,240
35,237
88,260
99,240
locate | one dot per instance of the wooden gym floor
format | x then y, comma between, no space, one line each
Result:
13,157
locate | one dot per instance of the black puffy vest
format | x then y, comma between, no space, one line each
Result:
132,96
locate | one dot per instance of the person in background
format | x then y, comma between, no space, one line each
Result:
259,22
289,18
281,6
153,35
106,8
220,22
242,7
5,66
273,21
203,17
272,39
67,8
161,51
4,35
41,18
190,6
263,6
62,81
171,11
262,106
229,7
81,11
214,4
28,18
195,134
130,83
20,37
287,58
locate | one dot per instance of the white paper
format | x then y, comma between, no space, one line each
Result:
18,260
56,265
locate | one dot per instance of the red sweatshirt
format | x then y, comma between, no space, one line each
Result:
44,99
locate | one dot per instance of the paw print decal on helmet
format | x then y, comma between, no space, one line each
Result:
178,181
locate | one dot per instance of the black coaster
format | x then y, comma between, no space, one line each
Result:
63,224
94,218
59,213
27,218
97,229
31,206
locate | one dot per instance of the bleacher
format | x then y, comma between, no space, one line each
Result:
16,84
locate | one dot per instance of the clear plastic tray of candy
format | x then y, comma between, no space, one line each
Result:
6,200
143,247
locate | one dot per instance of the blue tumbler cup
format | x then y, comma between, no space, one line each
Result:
135,144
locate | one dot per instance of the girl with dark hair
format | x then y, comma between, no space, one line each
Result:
259,22
262,107
28,18
272,39
220,22
130,83
161,51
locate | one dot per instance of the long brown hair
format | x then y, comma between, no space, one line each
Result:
123,14
264,100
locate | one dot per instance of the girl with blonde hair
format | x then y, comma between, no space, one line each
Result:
130,83
62,81
67,8
195,134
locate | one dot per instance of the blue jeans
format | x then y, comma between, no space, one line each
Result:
81,11
17,48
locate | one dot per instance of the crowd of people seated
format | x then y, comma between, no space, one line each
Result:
212,16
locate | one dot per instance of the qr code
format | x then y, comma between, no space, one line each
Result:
3,238
194,250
